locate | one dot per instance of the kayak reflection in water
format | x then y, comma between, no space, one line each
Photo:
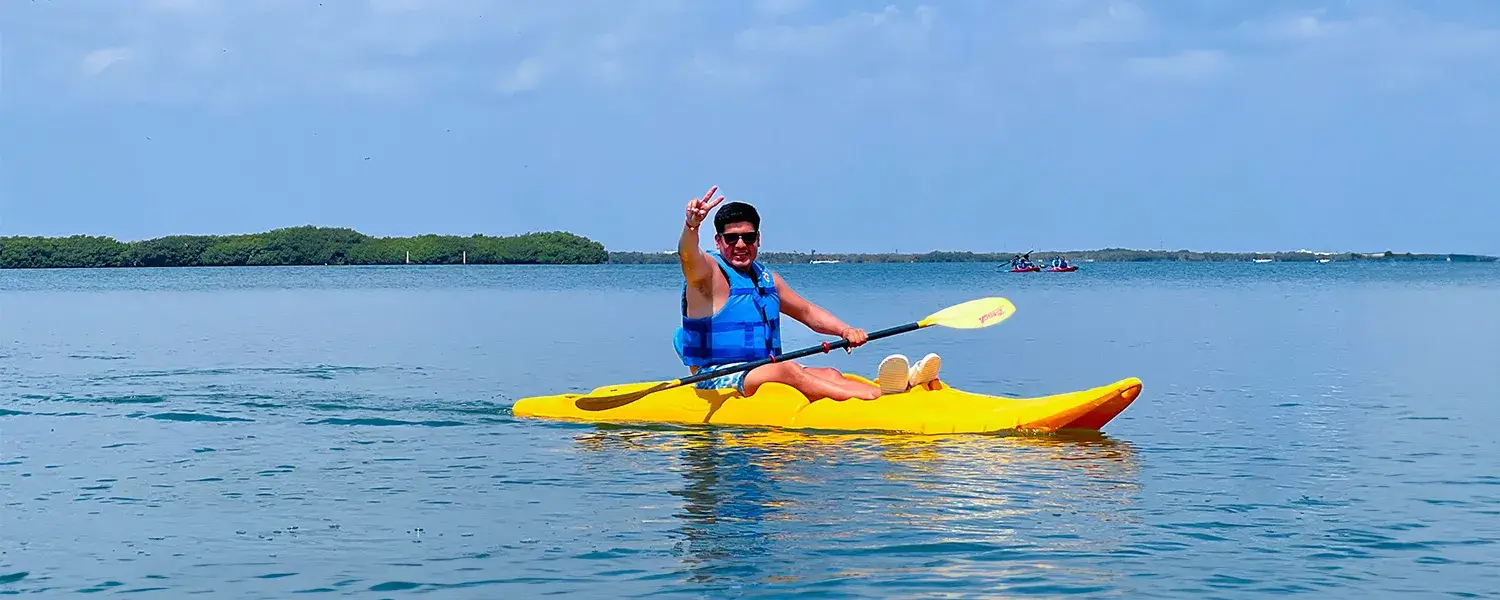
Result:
731,314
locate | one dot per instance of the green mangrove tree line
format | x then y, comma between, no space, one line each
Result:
305,245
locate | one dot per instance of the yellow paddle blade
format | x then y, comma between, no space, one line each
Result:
973,314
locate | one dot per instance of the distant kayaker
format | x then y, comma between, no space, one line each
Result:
731,314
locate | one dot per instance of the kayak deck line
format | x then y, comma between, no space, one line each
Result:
942,409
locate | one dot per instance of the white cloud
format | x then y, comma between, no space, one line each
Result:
1185,65
887,28
179,5
1303,27
1392,48
1115,22
222,50
97,61
1382,32
194,50
526,76
377,81
780,7
860,45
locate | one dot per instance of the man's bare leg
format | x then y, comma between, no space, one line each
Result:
813,383
828,373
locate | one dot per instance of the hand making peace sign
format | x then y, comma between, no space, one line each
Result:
697,208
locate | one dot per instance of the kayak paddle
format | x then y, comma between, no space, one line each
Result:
973,314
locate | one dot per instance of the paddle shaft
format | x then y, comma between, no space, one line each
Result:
808,351
973,314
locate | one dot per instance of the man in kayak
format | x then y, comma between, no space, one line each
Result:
731,314
1021,261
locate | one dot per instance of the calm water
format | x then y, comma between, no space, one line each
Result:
1322,430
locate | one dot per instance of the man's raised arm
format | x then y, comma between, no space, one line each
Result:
697,267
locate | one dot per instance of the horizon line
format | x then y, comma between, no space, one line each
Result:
1091,250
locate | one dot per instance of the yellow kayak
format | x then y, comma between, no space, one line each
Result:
940,410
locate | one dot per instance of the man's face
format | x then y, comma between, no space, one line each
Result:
739,244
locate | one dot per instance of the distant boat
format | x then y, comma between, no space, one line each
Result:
823,261
1263,260
1324,260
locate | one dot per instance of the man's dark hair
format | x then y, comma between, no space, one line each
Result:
735,212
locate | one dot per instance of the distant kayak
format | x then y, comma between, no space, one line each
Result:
1025,269
1067,269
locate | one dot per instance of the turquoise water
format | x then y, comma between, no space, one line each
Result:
1321,430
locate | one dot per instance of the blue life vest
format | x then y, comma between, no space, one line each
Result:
748,328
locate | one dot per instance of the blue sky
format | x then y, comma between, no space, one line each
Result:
984,125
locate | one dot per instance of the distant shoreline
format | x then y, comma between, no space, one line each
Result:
297,246
1075,257
310,245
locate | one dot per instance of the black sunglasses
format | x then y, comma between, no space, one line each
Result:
733,239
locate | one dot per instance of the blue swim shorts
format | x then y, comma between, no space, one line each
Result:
732,380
